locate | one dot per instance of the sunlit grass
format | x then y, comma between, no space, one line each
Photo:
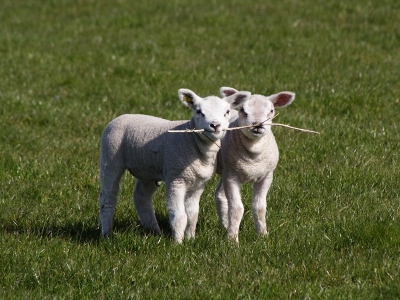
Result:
69,67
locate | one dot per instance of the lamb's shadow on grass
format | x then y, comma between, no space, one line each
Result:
78,232
133,227
83,232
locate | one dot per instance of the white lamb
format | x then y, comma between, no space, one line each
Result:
142,145
248,155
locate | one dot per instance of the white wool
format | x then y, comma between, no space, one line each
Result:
142,145
248,155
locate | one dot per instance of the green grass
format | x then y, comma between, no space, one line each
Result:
69,67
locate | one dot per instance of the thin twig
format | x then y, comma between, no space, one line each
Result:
295,128
187,130
274,124
194,130
232,128
248,126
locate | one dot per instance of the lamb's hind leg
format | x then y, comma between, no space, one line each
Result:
110,178
143,200
259,204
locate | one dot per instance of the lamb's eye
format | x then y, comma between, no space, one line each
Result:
272,111
243,112
198,111
227,113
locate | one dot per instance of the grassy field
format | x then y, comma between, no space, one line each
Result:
69,67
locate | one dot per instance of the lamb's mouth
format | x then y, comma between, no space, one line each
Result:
213,134
217,131
257,130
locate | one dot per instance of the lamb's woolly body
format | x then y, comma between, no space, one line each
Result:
248,155
157,153
142,145
249,160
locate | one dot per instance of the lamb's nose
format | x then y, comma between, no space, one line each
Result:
215,126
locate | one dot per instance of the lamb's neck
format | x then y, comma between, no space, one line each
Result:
206,147
253,147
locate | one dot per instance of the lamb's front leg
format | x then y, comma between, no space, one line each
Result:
222,204
192,201
259,204
176,191
235,207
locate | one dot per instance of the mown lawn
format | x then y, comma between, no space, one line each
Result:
69,67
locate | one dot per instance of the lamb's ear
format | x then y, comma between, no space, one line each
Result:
188,97
227,91
238,99
282,99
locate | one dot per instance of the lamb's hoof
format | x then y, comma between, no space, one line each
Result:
190,234
178,238
152,231
178,241
106,235
224,225
233,239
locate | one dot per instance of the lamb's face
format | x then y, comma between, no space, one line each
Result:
212,115
258,109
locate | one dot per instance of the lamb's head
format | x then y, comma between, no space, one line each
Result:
258,110
211,113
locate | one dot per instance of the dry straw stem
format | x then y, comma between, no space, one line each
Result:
248,126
